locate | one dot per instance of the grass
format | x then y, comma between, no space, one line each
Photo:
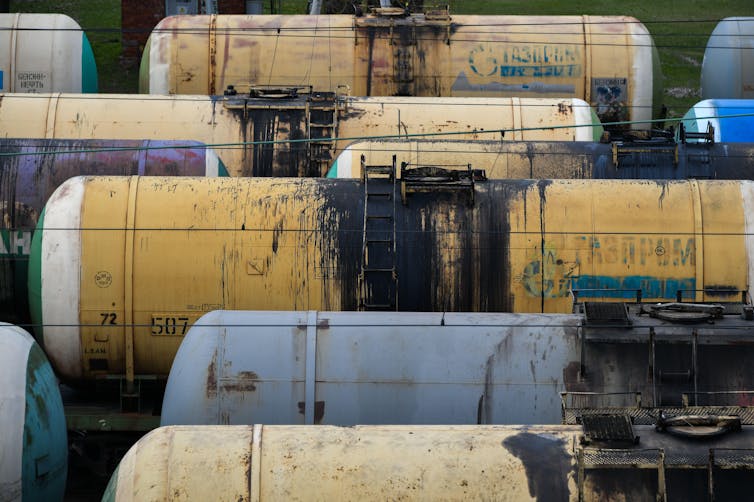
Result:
680,29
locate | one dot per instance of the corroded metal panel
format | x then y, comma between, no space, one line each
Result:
371,368
556,159
605,60
425,462
31,170
270,137
245,367
207,244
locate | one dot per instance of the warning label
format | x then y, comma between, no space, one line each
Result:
33,81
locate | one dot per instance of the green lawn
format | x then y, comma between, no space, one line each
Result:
680,30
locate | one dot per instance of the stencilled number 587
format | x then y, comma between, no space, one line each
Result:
169,325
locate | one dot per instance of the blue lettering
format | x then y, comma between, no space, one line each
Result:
537,71
602,286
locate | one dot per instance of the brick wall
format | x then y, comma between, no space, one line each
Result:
231,6
139,17
137,20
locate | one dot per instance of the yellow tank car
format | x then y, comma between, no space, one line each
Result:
122,266
292,134
432,462
609,61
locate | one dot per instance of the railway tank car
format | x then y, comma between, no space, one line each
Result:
346,368
609,61
33,448
31,170
729,52
268,462
555,159
290,134
45,53
185,246
726,120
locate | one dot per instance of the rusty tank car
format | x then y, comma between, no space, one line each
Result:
608,61
31,169
652,159
290,133
347,368
555,462
185,246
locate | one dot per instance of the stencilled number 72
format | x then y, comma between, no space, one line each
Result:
108,318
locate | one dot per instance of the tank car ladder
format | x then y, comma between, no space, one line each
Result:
322,112
378,279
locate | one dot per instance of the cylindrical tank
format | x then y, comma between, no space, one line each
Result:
119,256
609,61
268,462
253,135
33,445
732,120
31,170
346,368
45,53
555,159
728,64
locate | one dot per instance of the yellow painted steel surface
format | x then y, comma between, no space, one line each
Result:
156,253
209,120
609,61
250,463
509,160
644,228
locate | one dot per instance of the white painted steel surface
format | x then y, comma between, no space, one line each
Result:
238,367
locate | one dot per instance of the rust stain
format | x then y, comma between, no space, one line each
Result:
319,410
565,109
211,387
243,381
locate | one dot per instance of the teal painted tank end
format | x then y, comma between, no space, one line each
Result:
34,281
45,451
333,172
222,171
89,78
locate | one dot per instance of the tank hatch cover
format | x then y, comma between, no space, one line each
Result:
608,428
606,314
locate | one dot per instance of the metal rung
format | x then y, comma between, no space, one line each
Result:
380,217
382,306
379,241
379,169
379,270
313,124
379,194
